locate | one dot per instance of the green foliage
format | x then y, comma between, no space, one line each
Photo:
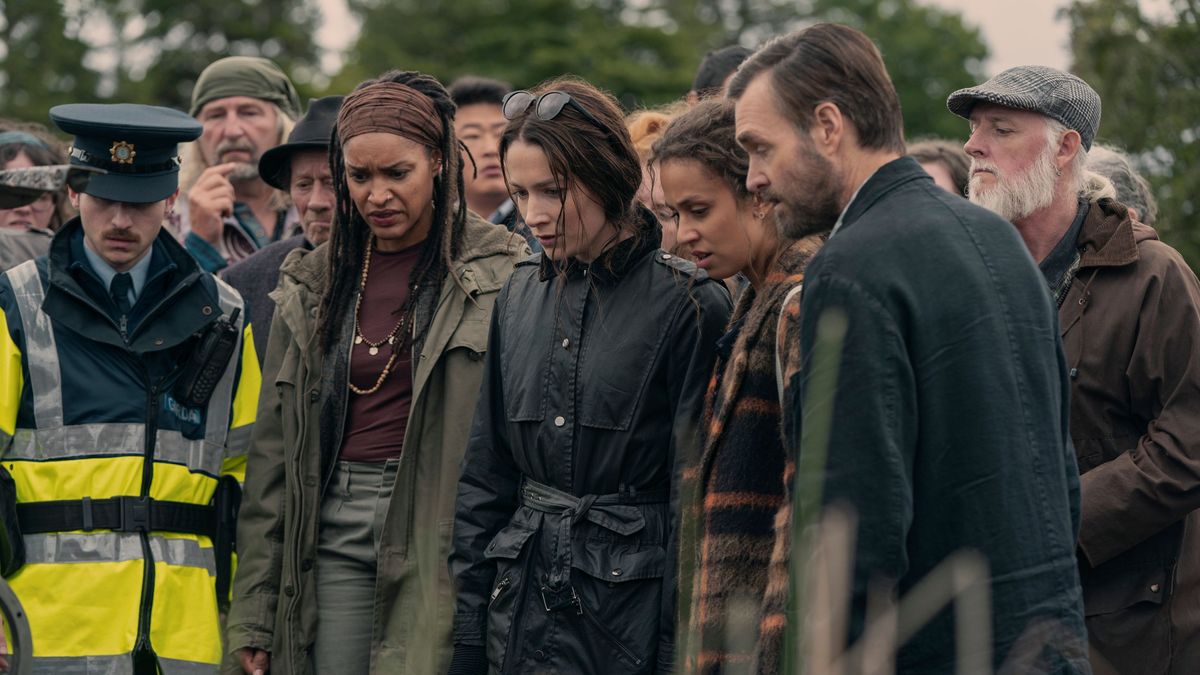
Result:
929,53
644,51
649,55
164,44
1147,73
35,72
527,41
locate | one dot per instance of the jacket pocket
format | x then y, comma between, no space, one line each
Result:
620,594
503,604
1128,616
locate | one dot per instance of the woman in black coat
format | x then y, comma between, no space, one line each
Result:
564,545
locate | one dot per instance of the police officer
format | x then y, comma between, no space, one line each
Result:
128,388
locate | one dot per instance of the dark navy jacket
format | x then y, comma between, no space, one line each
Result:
949,419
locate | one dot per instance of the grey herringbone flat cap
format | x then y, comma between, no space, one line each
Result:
1049,91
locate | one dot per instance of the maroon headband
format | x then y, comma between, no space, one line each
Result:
390,108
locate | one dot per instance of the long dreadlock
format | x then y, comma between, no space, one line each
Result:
350,236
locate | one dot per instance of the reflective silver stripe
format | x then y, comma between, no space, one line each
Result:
95,547
221,404
107,440
120,664
176,667
239,441
41,351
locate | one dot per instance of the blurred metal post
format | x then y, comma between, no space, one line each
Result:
20,647
808,483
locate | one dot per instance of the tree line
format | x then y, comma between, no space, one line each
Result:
1146,69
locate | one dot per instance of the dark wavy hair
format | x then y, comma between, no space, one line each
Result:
348,244
599,158
706,134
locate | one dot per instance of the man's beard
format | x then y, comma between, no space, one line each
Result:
244,171
809,198
1016,196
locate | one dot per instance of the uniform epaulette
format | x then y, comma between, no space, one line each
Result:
680,264
533,259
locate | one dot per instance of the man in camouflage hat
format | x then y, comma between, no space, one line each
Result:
1129,317
247,106
20,187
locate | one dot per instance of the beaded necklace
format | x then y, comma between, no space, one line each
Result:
390,339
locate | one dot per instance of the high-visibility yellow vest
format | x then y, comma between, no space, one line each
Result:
93,597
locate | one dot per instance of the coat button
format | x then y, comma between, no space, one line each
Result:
1153,588
666,256
290,590
566,343
314,395
616,571
206,310
158,342
539,655
559,421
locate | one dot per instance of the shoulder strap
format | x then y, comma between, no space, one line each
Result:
778,347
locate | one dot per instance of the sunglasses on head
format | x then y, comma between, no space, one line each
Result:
547,106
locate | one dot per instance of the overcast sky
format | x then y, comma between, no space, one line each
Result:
1018,32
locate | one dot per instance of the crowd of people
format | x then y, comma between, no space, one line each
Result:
470,379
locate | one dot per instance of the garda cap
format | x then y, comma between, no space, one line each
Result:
136,145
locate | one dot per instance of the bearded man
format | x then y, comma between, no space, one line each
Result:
247,106
1129,315
947,424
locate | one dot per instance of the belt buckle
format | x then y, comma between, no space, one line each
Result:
135,514
554,600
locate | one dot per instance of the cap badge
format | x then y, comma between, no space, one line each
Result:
122,152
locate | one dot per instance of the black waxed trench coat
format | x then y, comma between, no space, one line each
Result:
565,525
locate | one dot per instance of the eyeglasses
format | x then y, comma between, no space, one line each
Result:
547,106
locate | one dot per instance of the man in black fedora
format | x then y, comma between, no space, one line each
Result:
301,167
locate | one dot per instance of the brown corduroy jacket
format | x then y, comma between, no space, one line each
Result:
1131,333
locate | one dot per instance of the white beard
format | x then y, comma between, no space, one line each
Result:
1016,196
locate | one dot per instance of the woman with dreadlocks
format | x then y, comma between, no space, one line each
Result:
376,354
565,536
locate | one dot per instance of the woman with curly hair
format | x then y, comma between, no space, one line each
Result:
737,482
375,354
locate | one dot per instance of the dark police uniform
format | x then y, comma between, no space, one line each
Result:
113,436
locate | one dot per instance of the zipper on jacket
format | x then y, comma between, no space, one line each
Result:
608,635
147,600
504,583
514,629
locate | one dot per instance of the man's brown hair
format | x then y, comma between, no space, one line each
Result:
832,63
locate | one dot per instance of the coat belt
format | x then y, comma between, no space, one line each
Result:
618,513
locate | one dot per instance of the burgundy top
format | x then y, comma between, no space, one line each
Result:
375,423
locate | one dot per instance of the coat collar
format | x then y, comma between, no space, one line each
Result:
1109,237
885,179
183,306
615,262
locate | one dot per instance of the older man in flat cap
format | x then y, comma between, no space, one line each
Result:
247,106
1129,315
128,390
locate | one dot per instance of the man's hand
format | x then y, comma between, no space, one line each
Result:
210,200
254,661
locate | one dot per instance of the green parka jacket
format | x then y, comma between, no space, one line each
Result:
274,598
